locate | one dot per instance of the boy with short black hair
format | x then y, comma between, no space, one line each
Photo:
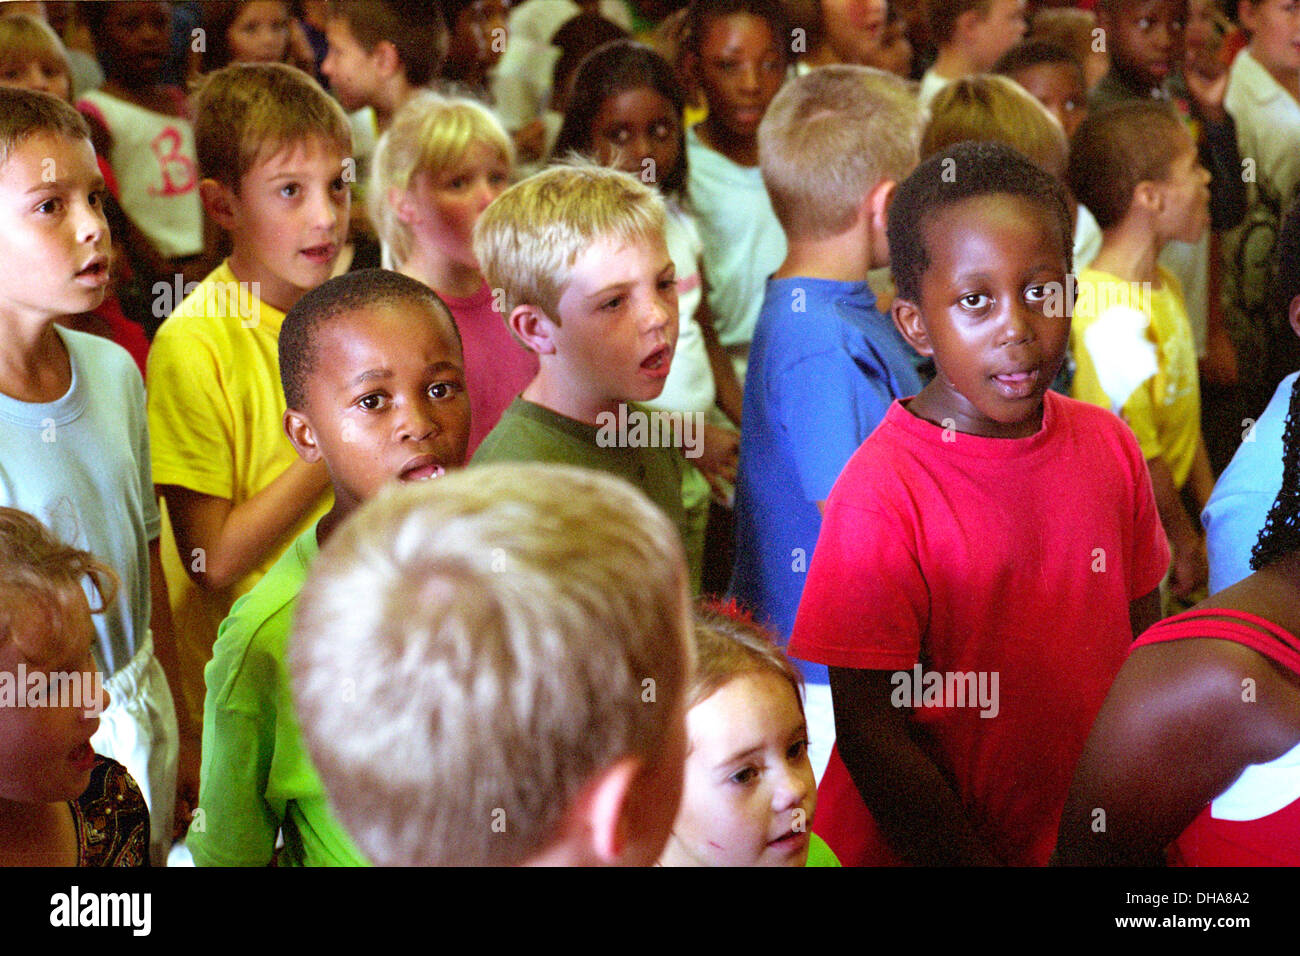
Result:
970,36
74,436
1052,75
1136,167
273,153
577,256
825,364
517,640
374,382
961,704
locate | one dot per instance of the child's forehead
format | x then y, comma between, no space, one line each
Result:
945,227
47,156
276,156
736,29
387,331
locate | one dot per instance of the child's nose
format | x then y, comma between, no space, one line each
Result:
793,788
419,421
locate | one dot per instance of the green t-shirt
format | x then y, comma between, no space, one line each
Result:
256,778
529,432
820,854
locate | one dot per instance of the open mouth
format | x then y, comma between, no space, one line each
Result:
421,469
321,254
96,270
1017,384
656,359
789,841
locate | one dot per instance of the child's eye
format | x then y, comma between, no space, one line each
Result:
372,402
289,190
441,390
666,284
663,132
974,301
797,750
614,303
499,178
742,777
1146,23
1036,293
50,206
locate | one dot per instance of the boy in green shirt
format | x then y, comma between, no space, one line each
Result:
374,383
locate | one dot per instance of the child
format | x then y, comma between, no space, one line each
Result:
527,717
1196,753
850,31
735,52
252,31
1076,31
970,36
960,705
626,111
1263,97
74,441
587,283
61,804
477,33
436,169
374,382
1135,166
825,363
142,125
272,147
1052,76
1245,491
749,792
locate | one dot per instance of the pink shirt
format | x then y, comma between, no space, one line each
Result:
1014,558
497,367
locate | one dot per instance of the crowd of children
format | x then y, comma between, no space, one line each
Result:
743,432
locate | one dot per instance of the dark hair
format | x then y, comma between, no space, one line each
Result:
218,16
608,71
415,28
942,15
1114,150
339,296
578,37
1281,533
702,12
1036,52
961,172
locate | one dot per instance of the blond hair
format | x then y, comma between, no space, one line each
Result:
429,134
24,38
38,573
527,241
468,654
247,111
828,138
729,644
994,109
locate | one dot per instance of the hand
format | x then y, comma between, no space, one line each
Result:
1191,569
530,141
1208,84
719,457
187,784
1220,363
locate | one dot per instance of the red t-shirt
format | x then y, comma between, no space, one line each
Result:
497,367
1006,558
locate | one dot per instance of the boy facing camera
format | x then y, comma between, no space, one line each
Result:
515,640
577,256
374,382
960,707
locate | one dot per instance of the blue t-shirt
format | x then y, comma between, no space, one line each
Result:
1238,507
824,367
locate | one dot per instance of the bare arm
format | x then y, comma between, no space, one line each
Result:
910,799
1144,612
1190,567
164,649
219,542
730,393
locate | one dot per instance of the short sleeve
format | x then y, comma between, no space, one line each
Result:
193,443
826,407
865,603
148,499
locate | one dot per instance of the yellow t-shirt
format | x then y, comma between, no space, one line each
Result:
1135,355
215,413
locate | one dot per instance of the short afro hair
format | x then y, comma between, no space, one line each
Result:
703,12
1036,51
339,296
1118,147
965,171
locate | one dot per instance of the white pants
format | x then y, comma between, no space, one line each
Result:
139,731
820,715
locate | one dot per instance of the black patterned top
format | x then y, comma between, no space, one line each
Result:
111,818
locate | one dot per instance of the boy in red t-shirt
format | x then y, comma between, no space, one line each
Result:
988,553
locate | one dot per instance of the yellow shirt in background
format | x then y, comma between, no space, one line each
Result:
215,420
1135,355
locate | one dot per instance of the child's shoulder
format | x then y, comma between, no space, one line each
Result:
100,361
218,308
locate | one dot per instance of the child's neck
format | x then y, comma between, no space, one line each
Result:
952,63
34,363
442,275
555,392
1131,252
37,834
841,258
741,150
152,96
1289,80
391,98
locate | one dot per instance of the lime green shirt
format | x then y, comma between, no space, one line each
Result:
256,778
820,854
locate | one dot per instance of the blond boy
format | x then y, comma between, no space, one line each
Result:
512,648
576,256
274,155
825,363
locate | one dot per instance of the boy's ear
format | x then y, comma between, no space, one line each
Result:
385,58
400,201
218,202
875,206
534,328
1148,196
302,436
606,806
907,319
